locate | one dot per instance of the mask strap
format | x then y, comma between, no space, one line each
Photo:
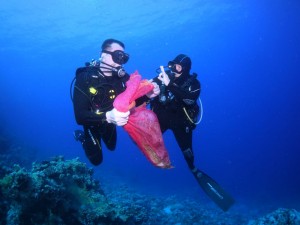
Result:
106,64
182,59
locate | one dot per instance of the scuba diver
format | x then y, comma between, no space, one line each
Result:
176,106
96,86
177,109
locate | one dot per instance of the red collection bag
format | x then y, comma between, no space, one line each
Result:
143,126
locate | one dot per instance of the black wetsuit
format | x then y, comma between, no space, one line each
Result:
93,96
182,92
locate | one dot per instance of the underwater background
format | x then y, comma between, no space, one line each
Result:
246,55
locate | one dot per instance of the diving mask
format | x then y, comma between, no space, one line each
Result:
172,67
118,56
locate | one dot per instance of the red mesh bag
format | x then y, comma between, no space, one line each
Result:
143,126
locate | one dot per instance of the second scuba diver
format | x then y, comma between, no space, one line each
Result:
176,106
177,109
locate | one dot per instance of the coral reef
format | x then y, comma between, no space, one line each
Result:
279,217
64,192
54,192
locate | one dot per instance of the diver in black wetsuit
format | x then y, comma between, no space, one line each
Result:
177,109
96,87
176,106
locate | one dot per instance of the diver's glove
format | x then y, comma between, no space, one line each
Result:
163,77
155,91
116,117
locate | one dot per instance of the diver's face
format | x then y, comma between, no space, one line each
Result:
107,58
178,71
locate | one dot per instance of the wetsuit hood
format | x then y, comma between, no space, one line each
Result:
184,61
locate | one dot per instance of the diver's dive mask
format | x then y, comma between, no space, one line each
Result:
172,67
118,56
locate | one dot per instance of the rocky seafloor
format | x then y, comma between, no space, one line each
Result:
59,191
62,191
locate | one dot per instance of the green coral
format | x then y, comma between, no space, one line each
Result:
55,192
6,182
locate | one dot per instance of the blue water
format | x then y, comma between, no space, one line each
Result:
247,56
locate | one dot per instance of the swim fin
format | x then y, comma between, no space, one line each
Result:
214,190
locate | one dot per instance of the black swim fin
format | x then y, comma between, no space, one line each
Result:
214,190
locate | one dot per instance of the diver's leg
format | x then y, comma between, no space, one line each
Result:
183,136
92,145
79,135
109,136
163,127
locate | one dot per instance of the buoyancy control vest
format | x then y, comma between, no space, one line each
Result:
100,90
